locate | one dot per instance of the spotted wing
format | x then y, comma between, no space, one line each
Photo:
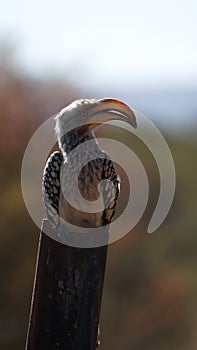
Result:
51,187
110,190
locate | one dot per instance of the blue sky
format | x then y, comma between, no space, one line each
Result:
142,42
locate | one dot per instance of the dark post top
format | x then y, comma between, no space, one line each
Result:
67,296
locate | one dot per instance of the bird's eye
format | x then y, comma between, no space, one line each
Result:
84,112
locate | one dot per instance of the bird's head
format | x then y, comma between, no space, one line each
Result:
86,114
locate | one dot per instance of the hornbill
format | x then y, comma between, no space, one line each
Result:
75,124
69,279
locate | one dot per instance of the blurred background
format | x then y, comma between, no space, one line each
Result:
144,53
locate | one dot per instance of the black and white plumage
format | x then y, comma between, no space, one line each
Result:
75,126
51,186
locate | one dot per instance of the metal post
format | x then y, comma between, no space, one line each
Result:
67,296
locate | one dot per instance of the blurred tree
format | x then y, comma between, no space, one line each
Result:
24,104
150,292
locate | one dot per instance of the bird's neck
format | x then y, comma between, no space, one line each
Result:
74,138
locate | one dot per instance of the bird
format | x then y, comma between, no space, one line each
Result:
96,181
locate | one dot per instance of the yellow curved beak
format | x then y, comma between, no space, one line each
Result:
112,109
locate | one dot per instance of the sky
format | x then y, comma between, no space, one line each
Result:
143,43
